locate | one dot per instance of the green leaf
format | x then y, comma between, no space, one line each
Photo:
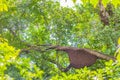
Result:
119,41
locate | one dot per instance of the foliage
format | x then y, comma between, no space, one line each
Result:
12,67
109,72
3,5
117,53
36,22
105,2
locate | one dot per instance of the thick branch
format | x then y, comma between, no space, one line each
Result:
38,48
100,55
79,57
82,50
103,13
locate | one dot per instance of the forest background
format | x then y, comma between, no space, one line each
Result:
45,22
